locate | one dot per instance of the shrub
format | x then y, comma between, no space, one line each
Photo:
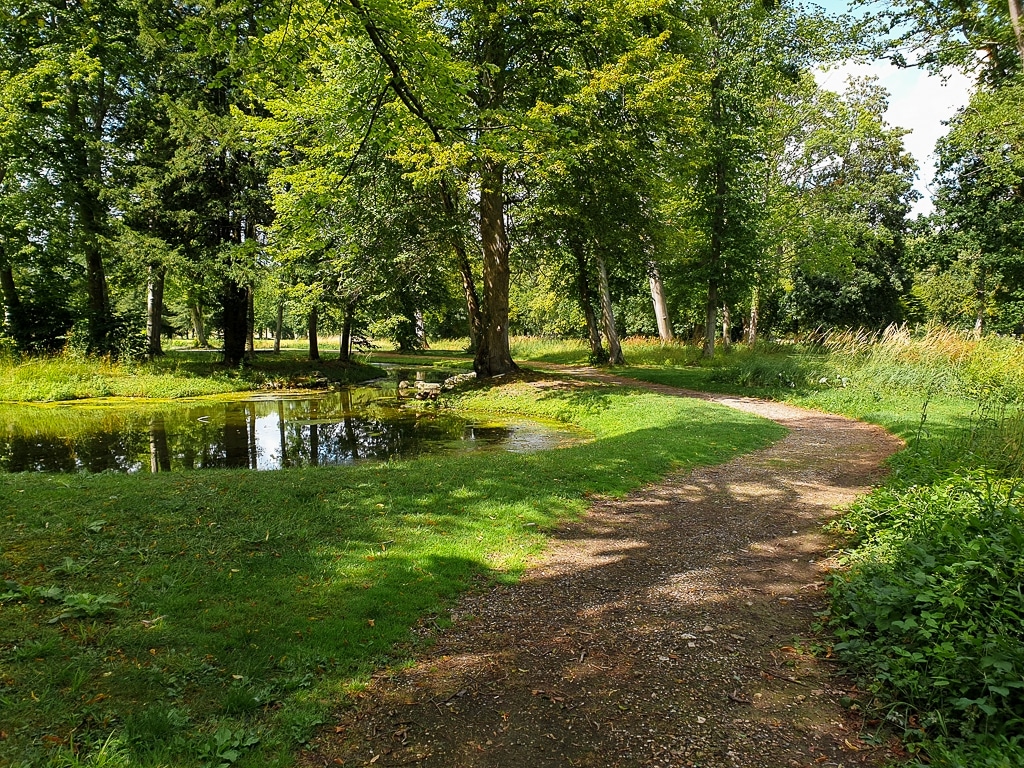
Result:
931,609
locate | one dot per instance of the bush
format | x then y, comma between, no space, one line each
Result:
931,609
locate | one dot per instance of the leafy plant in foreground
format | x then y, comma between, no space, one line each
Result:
932,608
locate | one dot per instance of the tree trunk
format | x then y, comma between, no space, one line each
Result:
250,320
472,299
711,320
421,329
314,342
278,327
155,309
755,315
493,357
96,287
718,227
614,350
979,318
1016,12
345,351
85,166
12,303
726,327
234,301
597,353
195,311
660,304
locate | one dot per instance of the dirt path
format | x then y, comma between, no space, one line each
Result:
657,630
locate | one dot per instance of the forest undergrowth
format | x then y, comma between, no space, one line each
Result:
192,373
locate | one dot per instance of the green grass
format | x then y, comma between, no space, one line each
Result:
175,375
928,608
216,617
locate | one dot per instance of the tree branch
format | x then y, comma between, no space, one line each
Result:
398,83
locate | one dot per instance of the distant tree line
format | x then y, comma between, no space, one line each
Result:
587,168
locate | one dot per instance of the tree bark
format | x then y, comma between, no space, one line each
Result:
718,226
12,303
1016,13
155,309
85,167
472,299
195,311
597,353
726,327
710,320
234,301
755,315
980,294
615,356
345,351
278,327
314,342
250,320
421,329
493,357
660,304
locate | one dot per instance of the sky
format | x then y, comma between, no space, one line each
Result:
918,101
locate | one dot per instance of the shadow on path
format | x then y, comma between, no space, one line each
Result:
657,630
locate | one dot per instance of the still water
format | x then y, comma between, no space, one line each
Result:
265,432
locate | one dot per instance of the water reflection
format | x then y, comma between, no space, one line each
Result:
339,427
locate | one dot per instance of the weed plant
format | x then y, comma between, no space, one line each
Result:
214,618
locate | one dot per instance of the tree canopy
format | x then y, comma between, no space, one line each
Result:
481,167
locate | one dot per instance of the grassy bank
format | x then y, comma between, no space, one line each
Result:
927,610
215,618
175,375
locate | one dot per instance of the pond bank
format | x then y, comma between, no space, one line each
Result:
239,607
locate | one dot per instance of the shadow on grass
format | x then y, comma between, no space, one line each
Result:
291,585
665,608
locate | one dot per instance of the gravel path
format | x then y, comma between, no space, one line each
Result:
659,629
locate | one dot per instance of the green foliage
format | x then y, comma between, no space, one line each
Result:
178,374
930,608
226,746
974,243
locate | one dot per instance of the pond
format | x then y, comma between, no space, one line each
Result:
261,432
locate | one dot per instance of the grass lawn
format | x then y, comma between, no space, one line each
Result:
216,617
175,375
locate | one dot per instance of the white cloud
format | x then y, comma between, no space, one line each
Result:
918,101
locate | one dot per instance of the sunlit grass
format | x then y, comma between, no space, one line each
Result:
175,375
253,602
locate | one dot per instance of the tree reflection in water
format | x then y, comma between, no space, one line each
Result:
328,429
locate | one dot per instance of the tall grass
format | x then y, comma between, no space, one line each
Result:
950,361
